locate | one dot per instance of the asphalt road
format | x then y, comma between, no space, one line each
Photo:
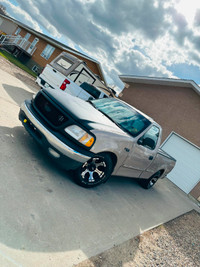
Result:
46,219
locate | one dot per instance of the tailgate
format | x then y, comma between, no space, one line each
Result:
55,78
52,76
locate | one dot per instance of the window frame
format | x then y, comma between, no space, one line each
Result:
140,140
43,54
18,30
87,72
35,69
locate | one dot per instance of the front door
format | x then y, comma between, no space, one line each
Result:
142,154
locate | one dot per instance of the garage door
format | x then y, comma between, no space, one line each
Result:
186,173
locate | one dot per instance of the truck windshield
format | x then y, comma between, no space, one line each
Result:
123,115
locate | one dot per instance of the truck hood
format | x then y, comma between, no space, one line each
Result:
84,112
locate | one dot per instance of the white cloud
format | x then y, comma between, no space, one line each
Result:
141,37
19,13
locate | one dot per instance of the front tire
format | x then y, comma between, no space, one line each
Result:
95,171
148,183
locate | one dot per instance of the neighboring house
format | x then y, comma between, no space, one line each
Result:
35,49
175,105
6,26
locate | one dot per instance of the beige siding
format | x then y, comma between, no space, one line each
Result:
7,27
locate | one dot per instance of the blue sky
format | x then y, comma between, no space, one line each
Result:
154,38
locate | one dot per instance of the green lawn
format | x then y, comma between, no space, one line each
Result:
15,61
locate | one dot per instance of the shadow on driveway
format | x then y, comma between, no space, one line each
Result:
18,94
43,210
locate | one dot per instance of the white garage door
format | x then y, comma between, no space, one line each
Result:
186,173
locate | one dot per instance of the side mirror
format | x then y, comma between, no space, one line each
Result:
147,142
140,141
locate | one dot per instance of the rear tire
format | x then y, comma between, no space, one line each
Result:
148,183
95,171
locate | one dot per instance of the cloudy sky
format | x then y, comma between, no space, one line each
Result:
157,38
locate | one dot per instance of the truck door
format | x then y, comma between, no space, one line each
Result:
143,153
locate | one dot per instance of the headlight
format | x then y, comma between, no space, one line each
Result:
80,135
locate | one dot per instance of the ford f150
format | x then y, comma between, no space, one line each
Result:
97,138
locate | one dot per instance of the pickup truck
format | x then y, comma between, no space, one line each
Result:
70,74
97,138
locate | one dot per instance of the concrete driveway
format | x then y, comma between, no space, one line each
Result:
46,219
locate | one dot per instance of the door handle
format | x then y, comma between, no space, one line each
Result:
150,157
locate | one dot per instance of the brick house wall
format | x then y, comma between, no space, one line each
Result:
195,192
40,47
41,62
10,26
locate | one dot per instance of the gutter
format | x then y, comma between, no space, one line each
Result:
161,81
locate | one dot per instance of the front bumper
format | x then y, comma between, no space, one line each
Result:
64,154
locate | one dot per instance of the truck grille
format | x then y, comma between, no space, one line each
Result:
50,113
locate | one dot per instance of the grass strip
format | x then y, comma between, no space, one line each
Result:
16,62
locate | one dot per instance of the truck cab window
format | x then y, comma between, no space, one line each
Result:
150,138
90,89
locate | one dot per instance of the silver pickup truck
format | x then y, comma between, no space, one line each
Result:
97,138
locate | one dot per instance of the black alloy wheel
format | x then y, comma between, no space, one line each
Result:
148,183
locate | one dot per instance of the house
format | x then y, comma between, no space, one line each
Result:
175,105
36,49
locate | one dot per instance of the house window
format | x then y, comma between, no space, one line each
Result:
36,69
18,31
47,52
